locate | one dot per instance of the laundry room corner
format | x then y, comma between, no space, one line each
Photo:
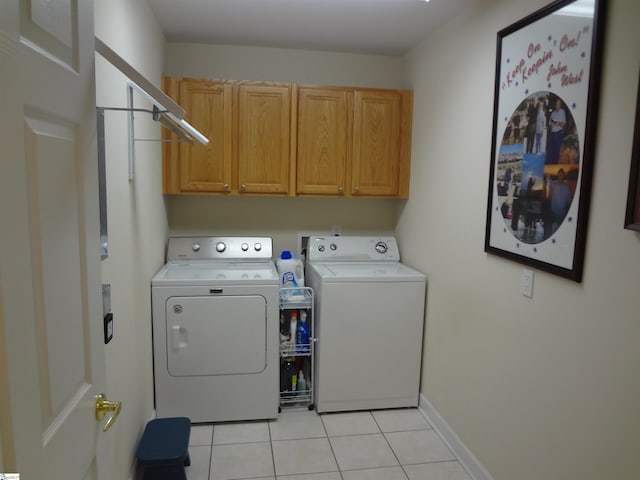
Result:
136,213
513,375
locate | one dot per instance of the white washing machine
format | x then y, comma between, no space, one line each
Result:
369,323
215,330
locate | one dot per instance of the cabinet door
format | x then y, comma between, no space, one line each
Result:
376,142
323,141
206,168
264,156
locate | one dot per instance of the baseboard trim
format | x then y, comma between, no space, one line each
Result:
467,459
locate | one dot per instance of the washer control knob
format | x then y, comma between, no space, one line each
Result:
244,247
258,247
195,247
381,247
333,246
321,248
220,247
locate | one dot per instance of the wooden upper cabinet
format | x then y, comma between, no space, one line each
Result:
197,168
353,142
381,143
323,141
264,141
282,139
248,126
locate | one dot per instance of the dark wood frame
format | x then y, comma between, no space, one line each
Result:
632,218
566,257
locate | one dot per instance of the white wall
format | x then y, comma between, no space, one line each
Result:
137,220
283,65
542,388
281,218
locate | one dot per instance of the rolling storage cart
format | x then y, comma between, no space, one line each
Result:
297,346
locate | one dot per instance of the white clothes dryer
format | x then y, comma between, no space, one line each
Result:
215,330
369,323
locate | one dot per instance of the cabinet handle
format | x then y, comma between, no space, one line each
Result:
226,187
243,187
356,189
340,189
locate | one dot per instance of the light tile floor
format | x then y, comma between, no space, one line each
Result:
302,445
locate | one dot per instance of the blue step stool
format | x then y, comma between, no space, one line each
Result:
164,448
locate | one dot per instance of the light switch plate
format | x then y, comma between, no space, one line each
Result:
527,283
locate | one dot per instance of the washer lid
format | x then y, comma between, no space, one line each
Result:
216,273
367,272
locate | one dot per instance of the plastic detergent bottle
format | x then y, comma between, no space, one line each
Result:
302,334
291,272
301,387
293,328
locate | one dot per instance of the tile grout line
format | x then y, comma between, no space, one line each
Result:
213,427
390,447
273,457
324,427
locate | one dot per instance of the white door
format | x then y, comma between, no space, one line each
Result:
51,343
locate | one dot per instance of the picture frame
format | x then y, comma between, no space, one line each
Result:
632,217
547,85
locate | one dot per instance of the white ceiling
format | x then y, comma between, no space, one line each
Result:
388,27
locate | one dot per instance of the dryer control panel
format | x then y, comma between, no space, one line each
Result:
353,249
219,248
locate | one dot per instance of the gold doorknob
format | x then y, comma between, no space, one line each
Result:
103,406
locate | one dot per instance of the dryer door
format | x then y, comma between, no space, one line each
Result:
225,335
